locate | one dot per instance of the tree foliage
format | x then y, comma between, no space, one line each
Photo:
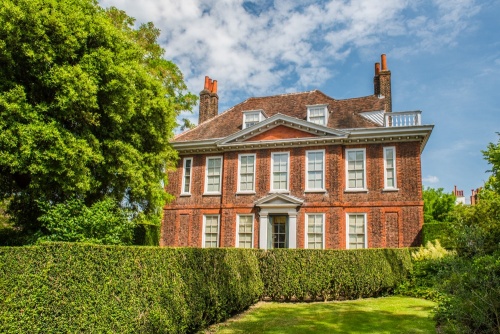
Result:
87,107
437,205
472,283
73,221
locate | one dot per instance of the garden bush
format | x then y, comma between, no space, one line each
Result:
431,265
438,231
69,287
473,296
332,274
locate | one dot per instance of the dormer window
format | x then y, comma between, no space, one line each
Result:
250,118
317,114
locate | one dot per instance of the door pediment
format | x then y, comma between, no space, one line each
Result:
279,200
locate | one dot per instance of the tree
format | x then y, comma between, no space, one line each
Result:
437,205
87,108
472,283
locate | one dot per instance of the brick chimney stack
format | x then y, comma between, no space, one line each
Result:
382,82
209,101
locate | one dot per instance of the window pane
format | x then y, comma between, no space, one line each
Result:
211,231
214,169
280,171
355,169
356,231
390,168
315,231
245,231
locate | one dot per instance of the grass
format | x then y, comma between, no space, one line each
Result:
372,315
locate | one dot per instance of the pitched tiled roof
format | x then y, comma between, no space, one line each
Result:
343,114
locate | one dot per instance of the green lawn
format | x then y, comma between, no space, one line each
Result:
373,315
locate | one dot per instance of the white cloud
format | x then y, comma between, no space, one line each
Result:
430,179
261,48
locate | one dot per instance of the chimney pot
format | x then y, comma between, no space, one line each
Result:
214,86
207,82
384,62
377,68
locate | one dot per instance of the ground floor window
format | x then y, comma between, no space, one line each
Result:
245,231
278,225
210,231
356,230
315,228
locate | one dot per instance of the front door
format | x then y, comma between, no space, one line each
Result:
278,225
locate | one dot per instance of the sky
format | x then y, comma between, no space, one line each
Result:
444,57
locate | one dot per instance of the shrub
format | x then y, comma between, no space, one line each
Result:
332,274
438,231
147,235
102,223
66,287
430,266
473,290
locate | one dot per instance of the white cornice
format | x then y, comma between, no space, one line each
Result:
359,136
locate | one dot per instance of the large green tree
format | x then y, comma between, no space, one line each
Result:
87,108
437,205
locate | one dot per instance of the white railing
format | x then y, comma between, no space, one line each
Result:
402,118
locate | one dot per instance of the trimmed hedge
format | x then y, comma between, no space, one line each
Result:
147,235
68,287
332,274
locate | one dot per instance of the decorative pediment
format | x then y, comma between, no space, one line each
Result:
279,200
269,130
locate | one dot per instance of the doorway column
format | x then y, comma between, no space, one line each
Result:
264,221
292,229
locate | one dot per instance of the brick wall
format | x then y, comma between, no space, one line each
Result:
394,217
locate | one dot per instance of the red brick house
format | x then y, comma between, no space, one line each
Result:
299,170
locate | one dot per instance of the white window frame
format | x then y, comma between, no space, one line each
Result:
239,173
287,172
315,107
183,193
307,172
237,245
365,220
203,236
365,181
394,167
206,175
306,226
251,112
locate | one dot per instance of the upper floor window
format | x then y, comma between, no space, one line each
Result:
317,114
250,118
315,224
210,231
213,175
356,169
390,168
186,176
246,173
279,173
315,170
244,236
356,230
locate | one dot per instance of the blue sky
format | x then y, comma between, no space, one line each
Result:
444,57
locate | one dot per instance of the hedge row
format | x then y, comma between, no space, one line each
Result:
99,289
332,274
66,287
